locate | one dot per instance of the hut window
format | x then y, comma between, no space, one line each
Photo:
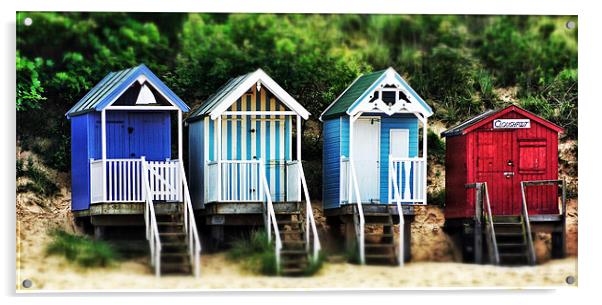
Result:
532,156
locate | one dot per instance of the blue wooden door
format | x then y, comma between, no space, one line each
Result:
117,141
149,135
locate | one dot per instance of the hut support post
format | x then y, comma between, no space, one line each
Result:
424,156
298,138
219,157
180,135
103,131
478,227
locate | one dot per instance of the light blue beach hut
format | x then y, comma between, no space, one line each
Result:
373,162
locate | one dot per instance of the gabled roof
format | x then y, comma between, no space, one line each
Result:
234,88
361,87
115,84
490,115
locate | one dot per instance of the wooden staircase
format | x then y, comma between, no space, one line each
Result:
295,253
175,257
379,243
512,241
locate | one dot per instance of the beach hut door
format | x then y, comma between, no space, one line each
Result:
366,149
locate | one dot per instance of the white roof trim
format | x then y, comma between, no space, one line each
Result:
392,77
267,82
141,79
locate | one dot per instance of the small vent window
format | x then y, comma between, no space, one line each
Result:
532,156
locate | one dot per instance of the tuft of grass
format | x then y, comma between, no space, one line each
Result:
81,249
352,253
255,253
39,181
314,266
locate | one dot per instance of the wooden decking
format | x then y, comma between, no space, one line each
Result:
349,209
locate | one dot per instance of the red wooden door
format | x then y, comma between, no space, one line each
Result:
495,166
533,164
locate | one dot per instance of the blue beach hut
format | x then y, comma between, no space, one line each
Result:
121,157
372,159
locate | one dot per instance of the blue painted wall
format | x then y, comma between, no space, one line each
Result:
397,121
244,137
331,162
133,134
80,168
196,157
336,144
130,134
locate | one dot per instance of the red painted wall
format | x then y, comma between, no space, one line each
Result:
485,154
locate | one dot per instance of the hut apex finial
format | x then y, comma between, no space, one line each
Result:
145,96
258,85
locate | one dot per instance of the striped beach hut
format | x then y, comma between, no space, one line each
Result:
245,162
248,121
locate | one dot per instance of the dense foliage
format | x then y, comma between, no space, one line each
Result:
460,64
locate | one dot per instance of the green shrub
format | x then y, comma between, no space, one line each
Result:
314,266
436,198
436,147
39,180
20,168
81,250
255,253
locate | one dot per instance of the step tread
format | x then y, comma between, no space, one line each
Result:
367,255
291,232
509,233
172,234
505,254
292,251
169,223
511,244
378,234
381,245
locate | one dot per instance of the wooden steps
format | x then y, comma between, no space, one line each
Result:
379,244
511,240
294,255
174,253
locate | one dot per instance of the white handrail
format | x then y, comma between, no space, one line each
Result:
194,242
393,176
150,220
270,217
358,202
309,214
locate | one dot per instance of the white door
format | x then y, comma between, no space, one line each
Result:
399,143
365,155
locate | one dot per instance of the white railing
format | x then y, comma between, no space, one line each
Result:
238,181
270,216
124,180
397,196
192,234
96,188
309,215
350,183
150,221
165,180
410,176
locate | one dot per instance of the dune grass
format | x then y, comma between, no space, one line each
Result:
81,250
